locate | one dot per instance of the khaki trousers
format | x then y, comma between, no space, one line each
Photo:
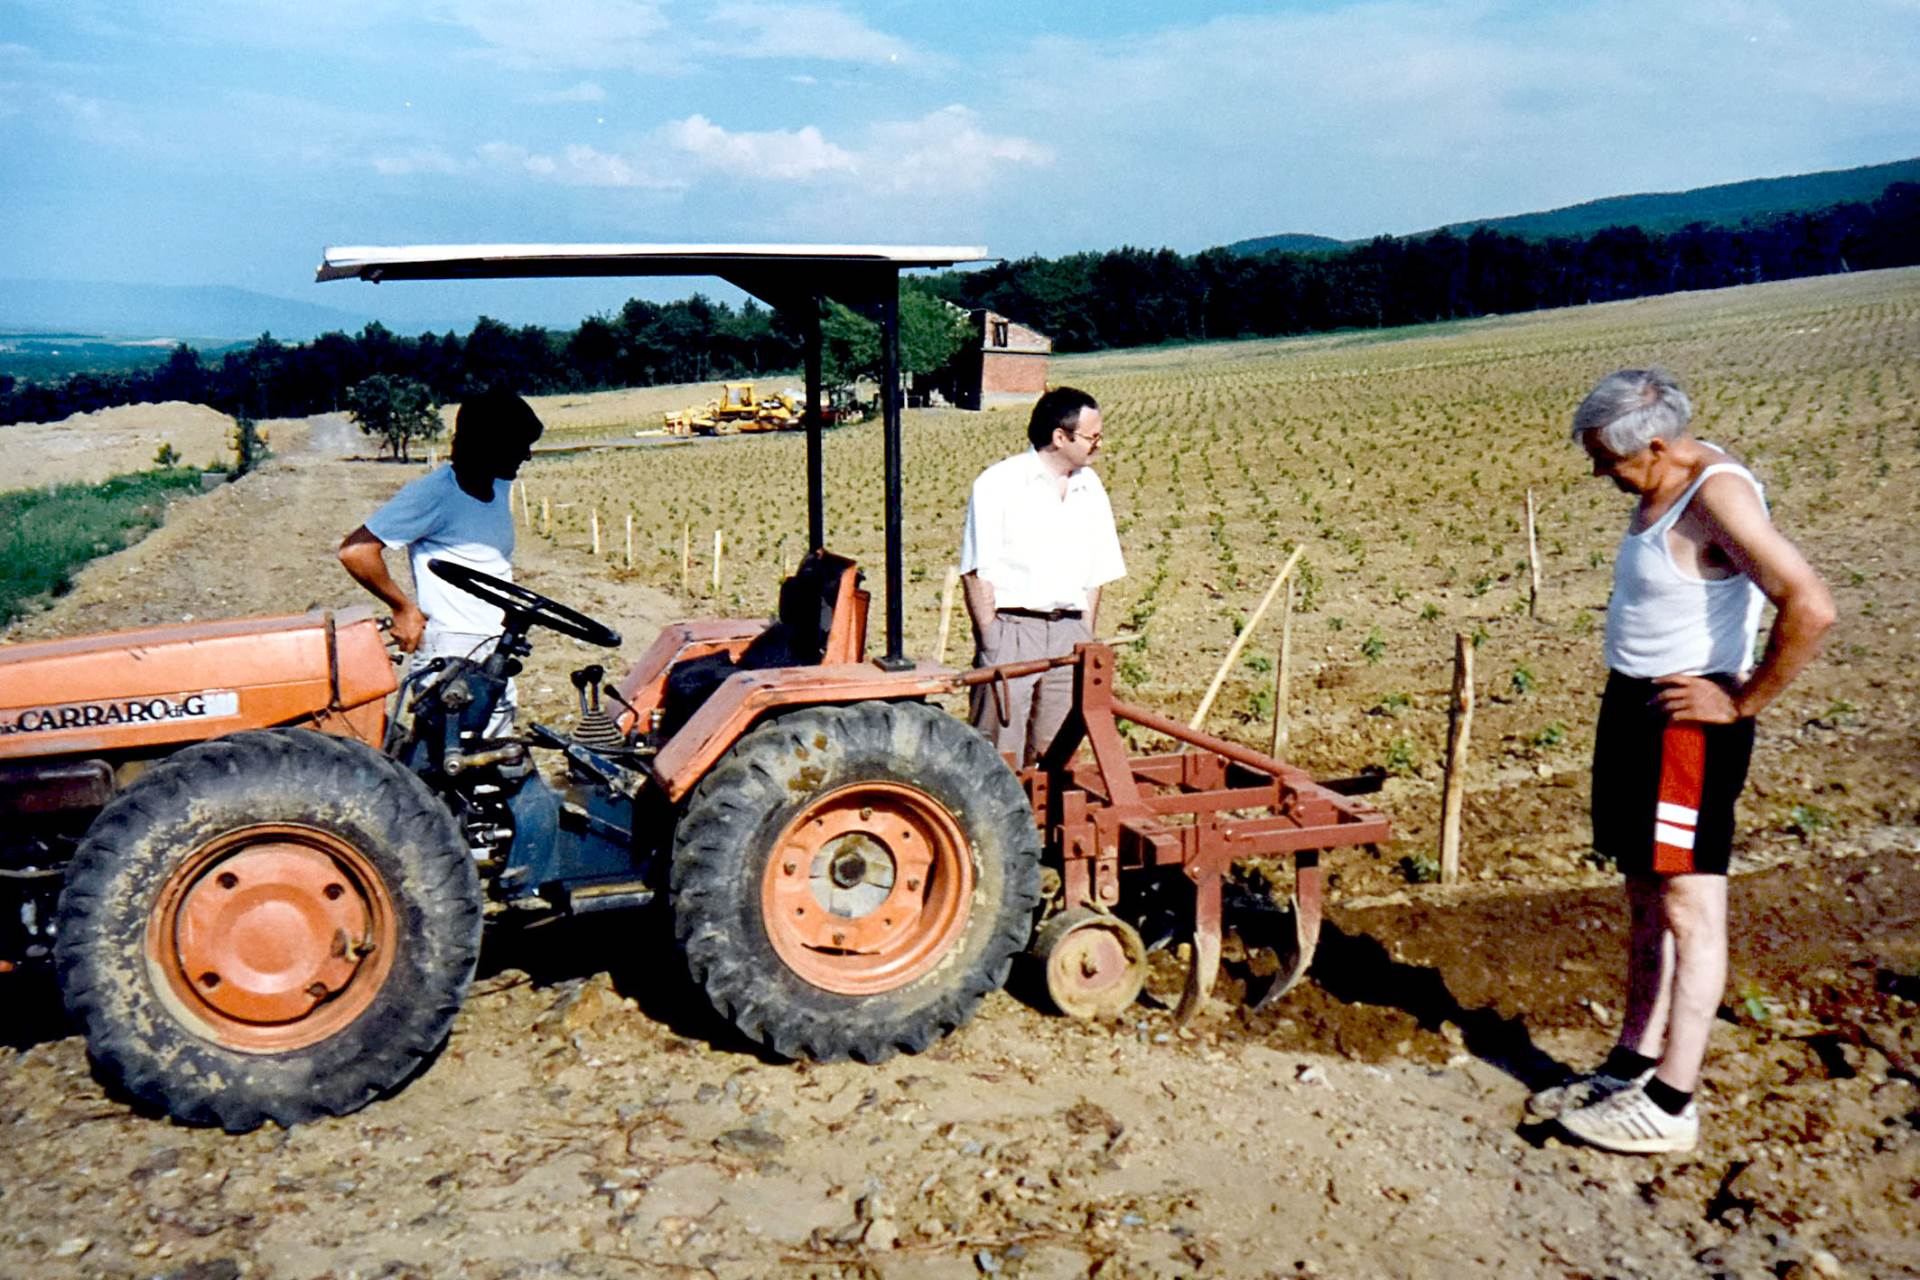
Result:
1038,704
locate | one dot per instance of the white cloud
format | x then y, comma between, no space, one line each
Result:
577,165
568,34
778,154
824,33
659,37
584,91
946,150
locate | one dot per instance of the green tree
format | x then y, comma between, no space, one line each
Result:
395,411
932,331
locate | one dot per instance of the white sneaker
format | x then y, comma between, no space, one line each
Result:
1632,1122
1581,1091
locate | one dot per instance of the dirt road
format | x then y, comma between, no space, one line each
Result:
589,1118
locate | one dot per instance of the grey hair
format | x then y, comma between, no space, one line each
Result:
1633,408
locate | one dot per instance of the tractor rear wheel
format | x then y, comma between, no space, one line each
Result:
851,881
271,926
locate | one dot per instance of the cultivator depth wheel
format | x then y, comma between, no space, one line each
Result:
1095,962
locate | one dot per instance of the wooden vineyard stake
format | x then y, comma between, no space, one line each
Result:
1240,641
718,541
629,539
526,516
1533,563
1459,730
546,517
948,590
1282,676
686,559
596,532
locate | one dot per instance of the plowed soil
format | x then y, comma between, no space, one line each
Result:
591,1118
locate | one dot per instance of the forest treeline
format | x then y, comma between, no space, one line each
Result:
1086,302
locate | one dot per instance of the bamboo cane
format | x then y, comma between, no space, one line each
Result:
596,531
686,559
1240,641
1459,731
718,541
526,516
948,590
1533,563
1282,676
546,517
629,539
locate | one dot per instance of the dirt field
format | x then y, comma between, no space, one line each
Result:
590,1119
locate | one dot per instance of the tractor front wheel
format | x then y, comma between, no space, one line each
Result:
851,881
270,926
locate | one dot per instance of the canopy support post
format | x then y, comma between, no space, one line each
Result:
895,659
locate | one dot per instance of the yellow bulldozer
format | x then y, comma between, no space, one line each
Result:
736,409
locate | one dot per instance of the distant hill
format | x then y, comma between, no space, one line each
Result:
194,313
1287,242
1727,204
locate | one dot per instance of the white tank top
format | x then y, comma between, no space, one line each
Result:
1663,622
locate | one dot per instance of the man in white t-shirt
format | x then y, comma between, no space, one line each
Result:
460,512
1038,546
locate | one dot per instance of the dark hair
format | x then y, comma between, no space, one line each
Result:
494,420
1057,410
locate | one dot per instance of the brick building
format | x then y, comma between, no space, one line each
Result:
1005,363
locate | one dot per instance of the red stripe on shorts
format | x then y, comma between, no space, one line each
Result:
1683,771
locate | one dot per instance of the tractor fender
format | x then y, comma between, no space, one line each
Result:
749,696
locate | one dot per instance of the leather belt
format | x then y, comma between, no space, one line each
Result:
1045,615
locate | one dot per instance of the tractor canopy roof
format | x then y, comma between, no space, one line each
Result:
793,277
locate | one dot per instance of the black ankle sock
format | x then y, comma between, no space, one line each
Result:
1624,1064
1666,1097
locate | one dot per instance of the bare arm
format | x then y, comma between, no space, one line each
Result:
1738,525
979,596
1093,610
364,557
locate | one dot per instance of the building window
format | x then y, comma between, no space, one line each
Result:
999,333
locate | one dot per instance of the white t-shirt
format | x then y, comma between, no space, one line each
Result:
434,517
1036,549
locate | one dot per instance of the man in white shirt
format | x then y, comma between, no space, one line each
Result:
460,512
1039,545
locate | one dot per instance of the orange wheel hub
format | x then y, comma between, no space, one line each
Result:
273,937
868,888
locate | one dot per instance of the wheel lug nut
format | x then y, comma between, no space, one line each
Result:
912,885
866,813
788,868
317,990
839,938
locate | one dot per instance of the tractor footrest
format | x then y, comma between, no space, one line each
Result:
620,895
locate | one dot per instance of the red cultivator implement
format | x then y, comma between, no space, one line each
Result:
1199,809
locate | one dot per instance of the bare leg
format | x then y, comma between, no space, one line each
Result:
1695,907
1643,1028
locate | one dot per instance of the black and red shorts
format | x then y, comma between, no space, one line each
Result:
1663,793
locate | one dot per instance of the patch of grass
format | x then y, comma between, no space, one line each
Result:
47,534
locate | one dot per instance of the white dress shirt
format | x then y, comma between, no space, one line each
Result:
1036,549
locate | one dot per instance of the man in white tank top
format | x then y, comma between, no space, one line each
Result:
1699,558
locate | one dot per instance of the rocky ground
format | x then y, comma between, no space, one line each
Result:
589,1116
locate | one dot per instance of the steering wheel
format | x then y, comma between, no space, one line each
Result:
537,609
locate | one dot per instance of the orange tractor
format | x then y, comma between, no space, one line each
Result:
263,895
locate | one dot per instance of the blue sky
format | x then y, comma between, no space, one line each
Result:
225,142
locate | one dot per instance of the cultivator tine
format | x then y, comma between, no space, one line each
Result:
1306,930
1206,948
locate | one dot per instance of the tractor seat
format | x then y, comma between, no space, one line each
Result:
822,619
